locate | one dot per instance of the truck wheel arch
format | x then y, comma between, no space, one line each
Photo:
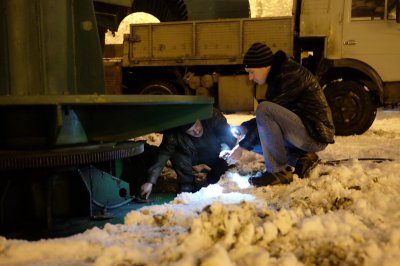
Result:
353,90
351,69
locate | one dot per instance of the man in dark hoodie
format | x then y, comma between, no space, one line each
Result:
200,142
291,125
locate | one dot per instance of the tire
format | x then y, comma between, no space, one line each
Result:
164,10
159,88
353,108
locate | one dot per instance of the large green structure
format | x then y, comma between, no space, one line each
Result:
56,121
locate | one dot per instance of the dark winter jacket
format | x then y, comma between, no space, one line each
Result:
216,137
295,88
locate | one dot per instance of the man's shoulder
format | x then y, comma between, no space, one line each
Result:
170,136
217,115
280,55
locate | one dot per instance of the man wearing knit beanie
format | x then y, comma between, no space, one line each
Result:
195,143
292,123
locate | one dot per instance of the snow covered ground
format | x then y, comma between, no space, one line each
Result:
344,214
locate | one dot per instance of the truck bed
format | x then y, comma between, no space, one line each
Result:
209,42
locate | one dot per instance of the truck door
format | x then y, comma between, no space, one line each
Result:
371,34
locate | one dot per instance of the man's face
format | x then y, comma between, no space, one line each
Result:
258,75
196,130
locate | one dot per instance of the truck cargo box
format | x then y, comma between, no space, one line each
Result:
210,42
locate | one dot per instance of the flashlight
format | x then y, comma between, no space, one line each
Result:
236,131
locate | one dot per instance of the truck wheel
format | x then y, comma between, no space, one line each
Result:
353,108
164,10
159,88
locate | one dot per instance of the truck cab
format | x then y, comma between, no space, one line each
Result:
354,51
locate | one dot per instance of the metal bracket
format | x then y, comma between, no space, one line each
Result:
106,192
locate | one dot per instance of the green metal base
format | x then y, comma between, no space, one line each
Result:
48,121
64,228
46,203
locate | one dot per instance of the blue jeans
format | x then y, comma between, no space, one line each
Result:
283,137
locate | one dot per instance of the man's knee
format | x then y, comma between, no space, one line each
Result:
262,108
181,158
265,112
217,170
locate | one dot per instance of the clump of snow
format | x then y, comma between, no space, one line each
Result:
152,139
210,194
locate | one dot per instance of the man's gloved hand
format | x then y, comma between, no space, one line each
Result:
145,189
232,156
224,154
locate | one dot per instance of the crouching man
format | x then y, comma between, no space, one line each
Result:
291,125
200,142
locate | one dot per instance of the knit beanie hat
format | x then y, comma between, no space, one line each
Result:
186,127
258,55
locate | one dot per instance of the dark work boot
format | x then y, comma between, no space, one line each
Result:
269,179
305,164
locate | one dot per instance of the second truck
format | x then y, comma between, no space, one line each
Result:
352,46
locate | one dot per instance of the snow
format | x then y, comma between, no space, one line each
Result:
344,214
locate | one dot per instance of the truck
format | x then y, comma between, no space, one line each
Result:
352,47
